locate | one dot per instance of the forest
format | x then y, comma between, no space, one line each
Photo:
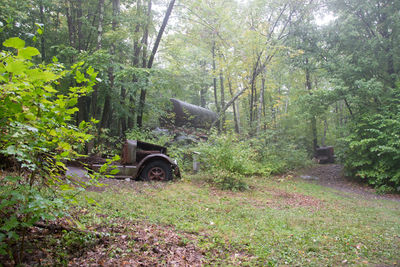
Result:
281,78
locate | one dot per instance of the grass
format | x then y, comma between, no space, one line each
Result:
276,222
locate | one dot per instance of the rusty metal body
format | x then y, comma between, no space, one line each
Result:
185,114
136,155
325,155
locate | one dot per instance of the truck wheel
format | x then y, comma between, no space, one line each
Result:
157,171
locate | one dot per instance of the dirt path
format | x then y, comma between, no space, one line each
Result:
331,175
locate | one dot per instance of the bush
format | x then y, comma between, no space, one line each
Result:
228,159
373,150
227,180
227,152
36,131
278,154
35,120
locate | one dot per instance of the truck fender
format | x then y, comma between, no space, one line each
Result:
152,157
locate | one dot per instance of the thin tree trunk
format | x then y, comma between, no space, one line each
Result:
107,111
93,105
214,78
255,73
221,79
251,102
100,26
142,97
151,60
123,115
235,115
273,117
228,105
70,22
160,33
79,24
42,38
260,108
348,106
131,114
313,119
203,89
135,63
325,130
215,83
136,47
237,104
83,112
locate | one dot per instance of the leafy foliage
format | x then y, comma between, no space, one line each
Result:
38,134
21,206
278,153
35,120
373,151
229,159
366,76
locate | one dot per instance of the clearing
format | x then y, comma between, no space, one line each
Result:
314,217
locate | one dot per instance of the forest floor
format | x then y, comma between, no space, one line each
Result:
331,175
311,217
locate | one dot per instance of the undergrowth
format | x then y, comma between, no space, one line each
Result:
269,225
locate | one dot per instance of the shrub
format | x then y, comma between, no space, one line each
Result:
278,154
228,159
37,132
227,152
227,180
373,150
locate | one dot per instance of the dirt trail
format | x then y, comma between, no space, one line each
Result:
331,175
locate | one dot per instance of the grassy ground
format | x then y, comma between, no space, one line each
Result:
279,221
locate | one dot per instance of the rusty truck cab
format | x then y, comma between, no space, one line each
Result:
141,160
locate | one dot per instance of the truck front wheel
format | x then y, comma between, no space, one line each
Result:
157,171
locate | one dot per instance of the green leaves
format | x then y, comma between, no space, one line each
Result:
14,42
16,67
10,223
37,132
23,52
374,150
28,52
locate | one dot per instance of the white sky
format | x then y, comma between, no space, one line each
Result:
324,19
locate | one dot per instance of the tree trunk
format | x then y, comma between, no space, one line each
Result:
131,114
235,115
325,130
214,78
313,119
203,89
42,38
70,21
160,33
100,26
123,115
107,111
93,105
79,24
142,100
135,63
142,97
228,105
260,108
237,104
221,79
215,83
83,111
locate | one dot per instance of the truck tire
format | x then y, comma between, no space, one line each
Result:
157,171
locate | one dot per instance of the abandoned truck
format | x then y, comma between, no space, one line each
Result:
143,161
